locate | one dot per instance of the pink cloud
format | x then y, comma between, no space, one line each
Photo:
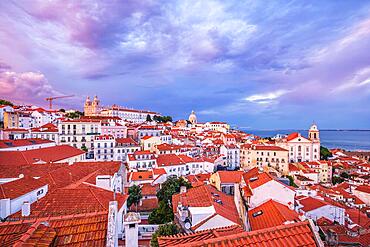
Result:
25,87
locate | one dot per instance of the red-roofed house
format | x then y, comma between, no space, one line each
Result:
297,234
314,208
19,194
225,181
204,207
25,144
271,214
301,148
363,192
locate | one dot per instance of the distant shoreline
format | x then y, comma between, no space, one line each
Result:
302,129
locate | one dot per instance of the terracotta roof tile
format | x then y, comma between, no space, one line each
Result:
230,176
83,199
72,230
200,235
270,214
205,196
297,234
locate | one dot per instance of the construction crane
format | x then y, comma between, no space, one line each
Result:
50,99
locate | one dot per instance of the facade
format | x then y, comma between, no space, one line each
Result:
47,132
302,148
232,154
124,147
217,126
263,156
79,133
141,161
92,108
314,208
5,108
104,147
130,115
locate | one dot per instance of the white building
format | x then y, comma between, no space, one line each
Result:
79,133
204,207
12,199
232,154
302,148
5,108
131,115
314,208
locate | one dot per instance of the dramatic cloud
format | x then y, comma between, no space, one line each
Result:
25,87
259,64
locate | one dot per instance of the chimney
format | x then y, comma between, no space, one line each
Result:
26,209
182,189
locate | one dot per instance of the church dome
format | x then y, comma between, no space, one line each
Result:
193,118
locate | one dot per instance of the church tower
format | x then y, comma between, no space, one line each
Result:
314,133
87,106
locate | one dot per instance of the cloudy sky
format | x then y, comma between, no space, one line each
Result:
256,64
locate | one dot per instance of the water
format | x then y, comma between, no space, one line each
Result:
345,139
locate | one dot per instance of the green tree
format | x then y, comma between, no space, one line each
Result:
337,180
62,110
162,119
148,118
171,186
164,230
74,115
134,195
344,175
84,148
325,153
291,181
5,102
162,214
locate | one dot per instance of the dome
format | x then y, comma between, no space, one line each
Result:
193,118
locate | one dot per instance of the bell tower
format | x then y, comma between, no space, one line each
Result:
314,133
87,106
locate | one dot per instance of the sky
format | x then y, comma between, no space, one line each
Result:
255,64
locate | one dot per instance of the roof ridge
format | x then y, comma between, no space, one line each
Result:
97,198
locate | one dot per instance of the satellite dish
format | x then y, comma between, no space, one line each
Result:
21,175
187,225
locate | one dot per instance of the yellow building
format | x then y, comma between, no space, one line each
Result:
11,120
264,156
149,142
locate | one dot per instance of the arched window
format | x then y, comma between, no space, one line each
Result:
299,148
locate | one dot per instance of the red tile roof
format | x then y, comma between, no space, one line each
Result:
141,175
206,196
363,188
48,154
297,234
126,141
79,172
22,142
83,199
310,203
20,187
77,230
174,240
173,159
259,179
270,214
292,136
230,176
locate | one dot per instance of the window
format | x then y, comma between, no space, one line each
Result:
40,192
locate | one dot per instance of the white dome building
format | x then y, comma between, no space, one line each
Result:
192,118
